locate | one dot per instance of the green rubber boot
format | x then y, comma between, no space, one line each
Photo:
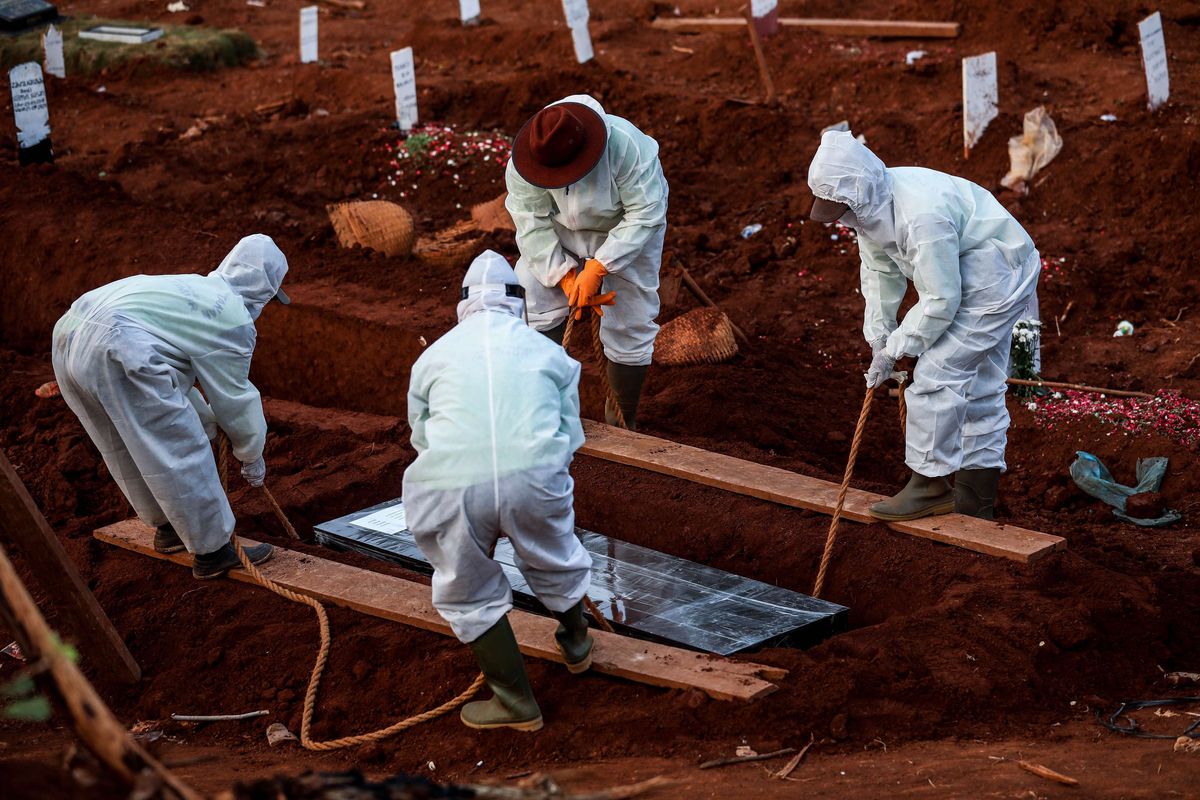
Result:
626,383
975,492
512,705
574,641
166,540
922,497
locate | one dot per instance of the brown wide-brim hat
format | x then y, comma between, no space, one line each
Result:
559,145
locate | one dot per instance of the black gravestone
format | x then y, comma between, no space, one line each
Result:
18,15
644,593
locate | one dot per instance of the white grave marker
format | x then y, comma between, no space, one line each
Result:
576,12
31,113
766,16
1154,60
577,15
404,78
581,37
308,34
52,43
468,11
980,97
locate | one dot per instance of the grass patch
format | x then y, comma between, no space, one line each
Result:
182,47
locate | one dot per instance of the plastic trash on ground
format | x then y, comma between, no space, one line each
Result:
1124,328
1032,150
1090,475
750,230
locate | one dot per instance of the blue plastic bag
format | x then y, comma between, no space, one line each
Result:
1090,474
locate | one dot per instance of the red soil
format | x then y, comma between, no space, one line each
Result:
944,643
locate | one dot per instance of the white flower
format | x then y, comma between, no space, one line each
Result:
1032,406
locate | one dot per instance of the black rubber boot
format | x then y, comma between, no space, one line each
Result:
975,492
574,641
512,705
626,383
922,497
166,540
214,565
556,333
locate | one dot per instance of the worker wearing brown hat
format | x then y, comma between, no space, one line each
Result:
587,193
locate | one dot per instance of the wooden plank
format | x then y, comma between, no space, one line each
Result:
801,491
23,523
878,28
56,673
409,603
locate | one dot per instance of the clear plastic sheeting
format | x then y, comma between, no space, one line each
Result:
644,593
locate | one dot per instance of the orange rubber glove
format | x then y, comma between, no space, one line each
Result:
567,284
606,299
587,285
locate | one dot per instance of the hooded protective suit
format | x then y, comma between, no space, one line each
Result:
617,214
975,270
494,411
127,357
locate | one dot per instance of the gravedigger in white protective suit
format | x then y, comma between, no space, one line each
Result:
128,357
589,200
975,270
494,411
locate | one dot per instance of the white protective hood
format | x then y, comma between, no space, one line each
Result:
255,269
488,282
844,170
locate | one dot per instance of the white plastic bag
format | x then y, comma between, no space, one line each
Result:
1031,151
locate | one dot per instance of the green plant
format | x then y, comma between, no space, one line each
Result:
182,47
22,699
417,146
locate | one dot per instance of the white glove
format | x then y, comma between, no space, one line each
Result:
255,471
877,345
882,367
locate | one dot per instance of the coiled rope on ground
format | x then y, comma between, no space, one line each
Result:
326,641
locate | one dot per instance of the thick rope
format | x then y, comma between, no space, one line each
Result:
831,537
569,330
610,397
594,610
844,488
326,641
588,603
279,515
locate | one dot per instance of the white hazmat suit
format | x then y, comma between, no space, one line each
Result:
975,270
494,411
616,214
128,356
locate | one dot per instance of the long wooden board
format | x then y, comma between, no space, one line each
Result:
23,523
880,28
792,489
409,603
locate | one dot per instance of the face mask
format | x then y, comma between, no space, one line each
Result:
849,219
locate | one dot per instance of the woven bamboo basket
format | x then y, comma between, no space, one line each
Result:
492,216
452,248
376,224
701,336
